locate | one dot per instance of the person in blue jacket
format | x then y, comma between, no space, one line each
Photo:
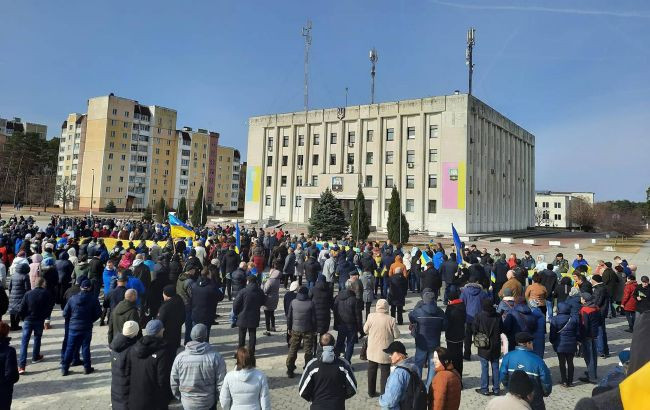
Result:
579,261
107,276
522,358
519,319
564,338
81,310
398,381
539,334
428,321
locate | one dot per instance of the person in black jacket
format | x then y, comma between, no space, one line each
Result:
238,278
347,321
398,286
229,264
81,310
312,271
431,279
642,295
247,309
64,269
327,381
172,315
149,366
51,276
488,322
601,301
455,332
8,367
36,306
286,302
301,324
590,321
562,289
447,271
120,376
324,303
549,281
205,296
175,268
159,279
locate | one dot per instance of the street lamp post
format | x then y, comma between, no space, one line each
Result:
92,193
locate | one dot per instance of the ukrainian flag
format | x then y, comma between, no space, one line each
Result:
493,277
178,228
424,258
237,238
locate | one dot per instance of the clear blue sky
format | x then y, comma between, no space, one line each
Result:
575,73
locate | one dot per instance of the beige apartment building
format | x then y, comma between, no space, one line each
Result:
453,159
227,180
133,155
553,209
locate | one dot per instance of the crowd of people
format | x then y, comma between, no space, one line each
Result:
159,304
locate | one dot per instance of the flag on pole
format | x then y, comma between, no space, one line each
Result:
424,259
459,247
493,277
237,237
178,228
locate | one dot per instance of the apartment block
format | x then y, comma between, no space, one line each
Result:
553,209
134,155
453,158
9,127
227,180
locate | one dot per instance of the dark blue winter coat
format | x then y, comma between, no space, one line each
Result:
472,294
429,322
574,305
36,305
564,330
590,322
81,311
520,319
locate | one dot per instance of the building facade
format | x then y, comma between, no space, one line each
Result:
9,127
133,155
553,209
227,180
453,159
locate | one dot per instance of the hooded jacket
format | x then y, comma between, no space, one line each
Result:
520,319
346,311
629,301
549,281
246,389
327,381
302,314
149,365
397,288
382,330
35,269
456,315
204,301
590,321
323,304
368,281
18,286
472,294
247,306
429,321
120,372
398,264
238,278
271,289
124,311
197,375
564,330
312,269
563,288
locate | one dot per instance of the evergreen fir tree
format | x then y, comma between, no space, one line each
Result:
199,211
147,216
161,209
110,207
360,219
328,218
394,216
181,212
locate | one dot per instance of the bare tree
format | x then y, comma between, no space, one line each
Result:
64,192
582,214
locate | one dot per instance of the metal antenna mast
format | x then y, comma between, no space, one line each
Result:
306,33
373,60
468,55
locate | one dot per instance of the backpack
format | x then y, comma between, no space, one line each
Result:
415,395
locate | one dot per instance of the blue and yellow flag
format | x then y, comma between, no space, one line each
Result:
237,238
493,277
459,247
424,258
178,228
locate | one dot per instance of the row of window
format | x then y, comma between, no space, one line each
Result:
389,181
432,206
556,205
390,136
410,158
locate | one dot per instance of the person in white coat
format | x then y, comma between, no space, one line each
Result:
245,387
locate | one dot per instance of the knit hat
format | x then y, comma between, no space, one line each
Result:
85,285
169,291
507,292
153,327
520,384
130,329
294,286
588,297
199,332
303,290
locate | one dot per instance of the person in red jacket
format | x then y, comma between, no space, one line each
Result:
629,302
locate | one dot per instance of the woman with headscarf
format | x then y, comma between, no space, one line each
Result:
72,256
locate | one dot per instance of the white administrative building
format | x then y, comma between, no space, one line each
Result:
453,159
